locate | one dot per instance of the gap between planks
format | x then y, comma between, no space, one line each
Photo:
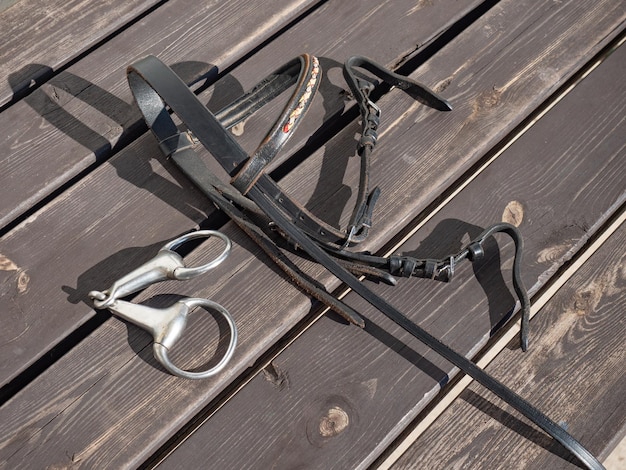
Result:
492,351
538,303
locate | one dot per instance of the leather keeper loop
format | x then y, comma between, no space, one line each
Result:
176,143
394,265
430,268
404,266
368,140
475,251
408,266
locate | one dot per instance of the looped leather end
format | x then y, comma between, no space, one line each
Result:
475,249
365,86
368,213
360,228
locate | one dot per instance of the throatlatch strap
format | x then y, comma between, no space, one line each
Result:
153,83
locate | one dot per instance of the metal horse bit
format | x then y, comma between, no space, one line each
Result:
167,324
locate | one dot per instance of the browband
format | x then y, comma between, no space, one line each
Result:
154,84
303,71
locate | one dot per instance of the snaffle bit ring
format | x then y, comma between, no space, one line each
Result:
182,273
167,264
166,325
162,345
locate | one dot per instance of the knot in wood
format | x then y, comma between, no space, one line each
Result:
513,213
334,422
587,300
22,281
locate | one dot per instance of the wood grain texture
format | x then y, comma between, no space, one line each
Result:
4,4
574,372
37,39
85,113
73,423
370,386
92,214
110,401
104,208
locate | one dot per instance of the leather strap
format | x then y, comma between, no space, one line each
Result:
153,83
306,87
303,71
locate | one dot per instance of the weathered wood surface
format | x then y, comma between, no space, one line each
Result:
4,4
85,113
103,208
92,376
337,397
92,191
574,372
36,38
106,402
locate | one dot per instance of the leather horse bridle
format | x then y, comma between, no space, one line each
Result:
253,197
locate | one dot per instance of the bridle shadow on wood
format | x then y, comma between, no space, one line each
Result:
518,426
449,237
52,98
226,89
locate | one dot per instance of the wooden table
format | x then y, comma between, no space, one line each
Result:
537,138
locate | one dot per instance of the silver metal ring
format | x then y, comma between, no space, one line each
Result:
184,273
161,352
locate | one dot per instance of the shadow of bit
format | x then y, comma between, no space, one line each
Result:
102,274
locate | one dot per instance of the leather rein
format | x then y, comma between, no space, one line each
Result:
252,195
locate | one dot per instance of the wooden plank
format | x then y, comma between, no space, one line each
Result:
570,373
103,211
369,387
424,420
4,4
36,40
131,416
117,195
617,458
85,113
